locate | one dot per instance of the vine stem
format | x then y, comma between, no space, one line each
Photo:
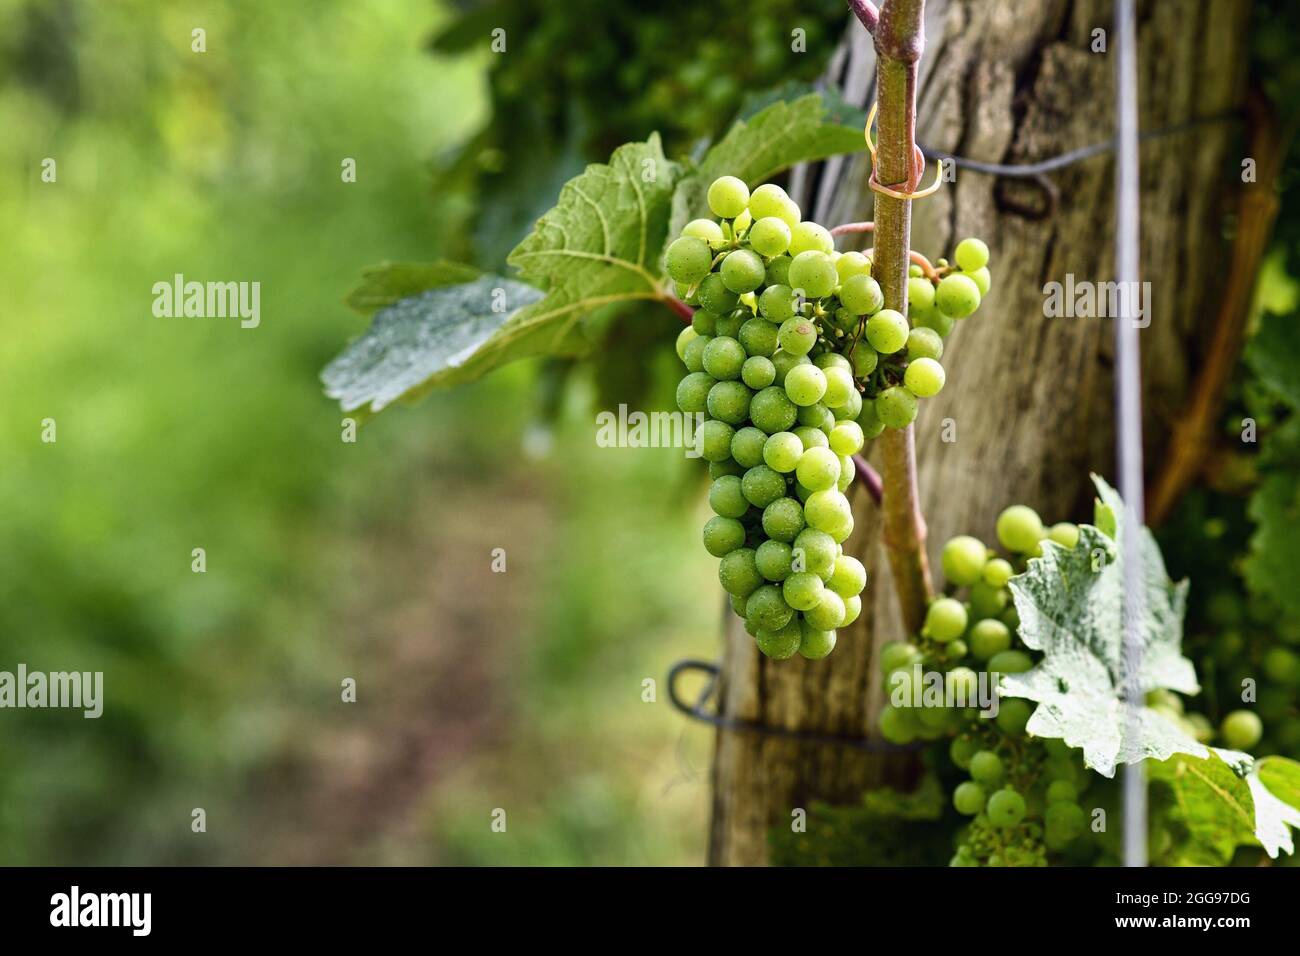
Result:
899,40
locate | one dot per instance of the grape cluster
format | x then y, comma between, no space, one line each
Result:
773,373
1021,793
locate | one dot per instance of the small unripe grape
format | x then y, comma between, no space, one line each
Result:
934,319
815,551
864,359
783,519
849,577
738,573
817,469
771,409
924,377
809,235
726,498
957,296
780,645
1241,729
762,485
773,560
769,236
715,296
689,260
989,637
846,438
723,535
743,271
961,750
803,590
814,273
861,295
805,384
828,613
684,339
728,197
968,799
797,336
898,725
817,416
693,392
729,402
971,254
1064,534
945,620
778,271
767,609
723,358
758,336
728,466
1005,808
839,387
815,644
896,407
1010,662
963,559
693,354
1013,714
986,768
777,303
998,572
982,279
758,372
747,446
924,343
1020,529
705,322
812,437
852,264
784,362
869,420
852,609
887,331
782,452
920,295
831,360
715,440
829,511
770,199
705,229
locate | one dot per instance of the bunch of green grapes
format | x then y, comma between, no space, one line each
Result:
1022,793
773,377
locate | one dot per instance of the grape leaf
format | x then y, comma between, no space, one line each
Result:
1269,567
388,282
1070,603
755,150
439,337
1274,355
593,250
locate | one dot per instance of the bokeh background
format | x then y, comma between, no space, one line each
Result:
370,560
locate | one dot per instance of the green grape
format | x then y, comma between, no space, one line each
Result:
1241,729
693,354
963,559
895,655
773,559
769,236
797,336
812,437
971,254
1020,529
770,199
989,637
852,609
986,601
805,384
934,319
1064,534
815,551
924,343
920,295
828,613
829,511
728,197
723,535
1064,820
896,407
817,468
869,421
715,440
726,467
998,572
1005,808
686,293
815,643
924,377
829,360
986,768
762,485
849,577
778,271
738,573
743,271
723,358
887,331
850,409
1281,666
783,362
968,798
846,438
898,725
982,279
802,590
1062,791
783,519
1010,662
705,229
729,402
689,260
1013,714
767,609
839,387
957,296
808,236
715,296
852,264
814,273
861,295
848,471
961,750
684,338
704,322
726,498
693,392
783,644
864,359
737,604
740,225
770,409
845,321
817,416
945,620
758,336
747,446
777,303
782,451
758,372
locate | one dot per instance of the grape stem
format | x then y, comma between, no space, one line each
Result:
899,40
866,12
869,476
847,228
683,311
927,267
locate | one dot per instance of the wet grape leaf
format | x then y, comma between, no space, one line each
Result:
1270,566
389,282
1274,355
